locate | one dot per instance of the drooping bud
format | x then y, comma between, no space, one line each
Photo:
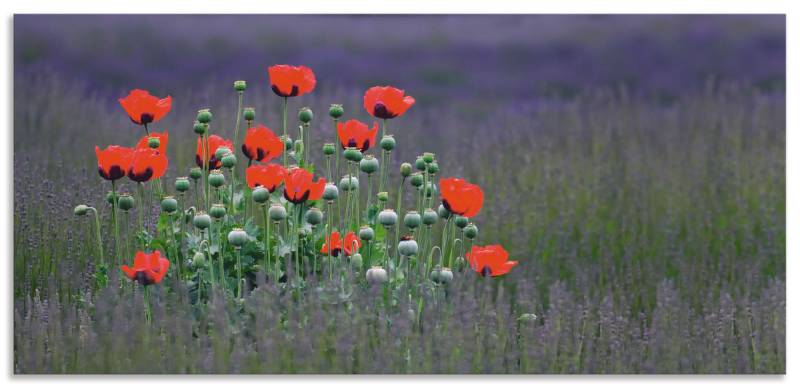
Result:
388,142
125,202
470,231
198,259
417,179
169,204
330,193
366,233
353,154
305,115
182,184
429,216
239,86
200,128
369,164
314,216
237,237
407,246
377,275
287,143
443,212
348,183
217,211
436,274
387,217
328,149
229,160
383,196
110,197
195,173
81,210
356,260
277,213
201,220
153,142
336,111
204,116
405,169
260,194
298,147
249,113
216,178
461,263
412,219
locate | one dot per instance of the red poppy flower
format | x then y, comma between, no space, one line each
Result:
113,162
148,268
334,243
291,81
143,108
162,137
261,144
461,197
147,164
354,133
268,176
214,142
299,187
386,102
490,260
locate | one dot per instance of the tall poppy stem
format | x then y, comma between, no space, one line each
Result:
285,137
267,256
140,213
99,237
114,205
239,272
399,211
238,121
148,312
336,143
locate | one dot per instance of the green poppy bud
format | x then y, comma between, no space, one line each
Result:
110,196
348,183
436,274
429,216
182,184
314,216
388,142
153,142
287,143
405,169
369,164
249,113
528,317
298,147
443,212
229,160
433,168
407,246
356,260
336,111
126,202
461,263
260,194
366,233
239,86
237,237
417,179
377,275
445,276
430,189
196,173
428,157
217,211
81,210
330,193
420,164
199,260
461,222
216,178
470,231
221,152
412,219
201,220
277,213
305,115
328,149
169,204
204,116
200,128
383,196
353,154
387,217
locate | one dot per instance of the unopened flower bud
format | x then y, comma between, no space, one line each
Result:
239,86
221,152
461,222
443,212
353,154
204,116
461,263
195,173
405,169
433,168
383,196
314,216
387,217
201,220
237,237
430,189
330,193
436,274
428,157
260,194
445,276
182,184
81,210
429,216
153,142
169,204
305,115
125,202
369,164
417,179
110,197
229,160
366,233
216,178
249,113
336,111
419,163
298,147
287,143
356,260
198,260
217,211
277,213
348,183
470,231
200,128
328,149
412,219
377,275
388,142
407,246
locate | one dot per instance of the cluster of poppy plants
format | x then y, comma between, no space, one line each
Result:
280,181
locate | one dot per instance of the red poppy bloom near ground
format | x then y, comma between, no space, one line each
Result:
291,81
214,142
461,197
490,260
334,242
148,268
163,138
268,176
113,162
261,144
299,186
147,164
354,133
386,102
143,108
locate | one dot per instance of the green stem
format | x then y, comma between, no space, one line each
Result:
266,240
285,113
99,237
114,205
239,272
148,312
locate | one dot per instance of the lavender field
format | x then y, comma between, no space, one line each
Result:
634,166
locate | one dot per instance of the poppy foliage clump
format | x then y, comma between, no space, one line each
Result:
267,205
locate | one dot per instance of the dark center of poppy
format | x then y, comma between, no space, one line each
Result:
143,279
142,176
278,91
113,173
145,118
381,111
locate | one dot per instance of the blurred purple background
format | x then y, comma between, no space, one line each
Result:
473,59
